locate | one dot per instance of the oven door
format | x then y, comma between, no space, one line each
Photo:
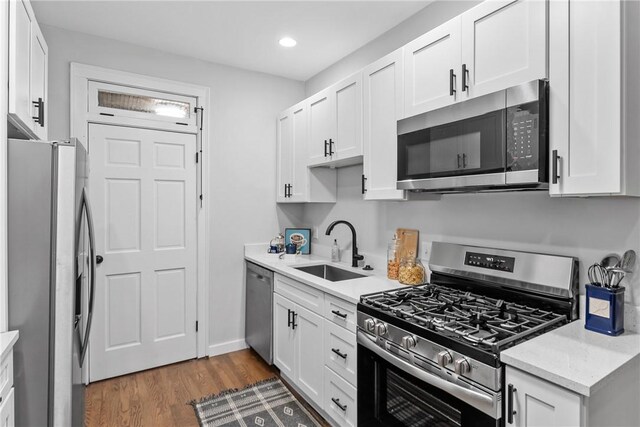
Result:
395,393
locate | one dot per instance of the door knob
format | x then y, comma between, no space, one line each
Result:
99,259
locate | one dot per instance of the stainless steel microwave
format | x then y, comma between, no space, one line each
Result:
496,142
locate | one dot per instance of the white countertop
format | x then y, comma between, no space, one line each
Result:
348,290
574,357
7,340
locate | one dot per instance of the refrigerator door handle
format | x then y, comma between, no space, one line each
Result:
86,206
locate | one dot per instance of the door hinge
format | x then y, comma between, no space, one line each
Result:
196,326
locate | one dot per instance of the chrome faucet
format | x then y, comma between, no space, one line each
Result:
354,255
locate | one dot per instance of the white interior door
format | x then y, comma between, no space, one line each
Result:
143,190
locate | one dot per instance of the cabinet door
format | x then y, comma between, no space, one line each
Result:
504,44
309,353
283,336
284,147
299,171
321,126
38,80
20,17
537,402
7,411
584,105
347,137
428,63
383,94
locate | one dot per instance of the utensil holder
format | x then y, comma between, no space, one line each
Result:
604,311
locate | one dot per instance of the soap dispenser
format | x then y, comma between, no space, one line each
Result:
335,251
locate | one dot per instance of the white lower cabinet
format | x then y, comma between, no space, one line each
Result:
536,402
7,412
314,346
297,346
341,399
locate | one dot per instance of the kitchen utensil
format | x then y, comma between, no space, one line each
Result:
598,275
628,260
617,274
609,262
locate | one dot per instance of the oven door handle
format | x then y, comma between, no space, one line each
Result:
485,403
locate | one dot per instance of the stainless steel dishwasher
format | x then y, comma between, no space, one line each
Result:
259,310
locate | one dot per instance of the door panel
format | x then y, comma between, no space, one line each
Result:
144,195
283,336
20,49
285,154
321,126
309,351
504,44
38,77
347,139
383,103
428,63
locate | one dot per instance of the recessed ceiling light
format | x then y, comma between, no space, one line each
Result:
287,42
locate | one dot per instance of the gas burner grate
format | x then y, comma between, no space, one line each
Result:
487,323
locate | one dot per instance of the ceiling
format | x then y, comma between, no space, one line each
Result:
244,34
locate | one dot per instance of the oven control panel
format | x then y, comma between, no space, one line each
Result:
492,262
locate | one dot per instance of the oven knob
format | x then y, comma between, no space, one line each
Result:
461,366
381,329
444,358
370,325
409,342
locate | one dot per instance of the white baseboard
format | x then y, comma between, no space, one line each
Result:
226,347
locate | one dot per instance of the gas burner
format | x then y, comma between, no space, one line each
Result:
482,321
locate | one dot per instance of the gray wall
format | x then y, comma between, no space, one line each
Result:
588,228
426,19
242,153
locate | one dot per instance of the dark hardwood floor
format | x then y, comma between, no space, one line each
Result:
158,397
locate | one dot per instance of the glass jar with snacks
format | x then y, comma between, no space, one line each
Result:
411,271
393,262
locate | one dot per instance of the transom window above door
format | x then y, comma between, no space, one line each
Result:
122,101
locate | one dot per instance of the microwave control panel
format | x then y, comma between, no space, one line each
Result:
492,262
523,133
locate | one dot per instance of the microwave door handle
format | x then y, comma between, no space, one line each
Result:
92,272
483,402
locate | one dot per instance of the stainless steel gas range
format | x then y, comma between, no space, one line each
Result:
430,355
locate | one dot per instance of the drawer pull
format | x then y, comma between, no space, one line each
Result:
337,313
337,402
339,353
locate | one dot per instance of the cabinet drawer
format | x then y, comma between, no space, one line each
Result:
340,351
7,410
6,375
340,312
340,399
300,293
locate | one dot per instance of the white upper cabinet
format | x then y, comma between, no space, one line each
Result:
593,98
292,155
432,69
28,72
320,126
504,43
382,107
297,183
335,124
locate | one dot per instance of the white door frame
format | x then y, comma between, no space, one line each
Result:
79,125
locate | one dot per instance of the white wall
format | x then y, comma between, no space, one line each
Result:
586,228
242,153
426,19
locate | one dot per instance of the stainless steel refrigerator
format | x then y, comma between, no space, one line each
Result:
51,261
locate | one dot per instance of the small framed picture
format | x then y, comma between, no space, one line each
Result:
301,237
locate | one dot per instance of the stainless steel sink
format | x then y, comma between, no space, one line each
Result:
329,272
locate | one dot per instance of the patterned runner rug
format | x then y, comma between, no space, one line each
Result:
266,403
